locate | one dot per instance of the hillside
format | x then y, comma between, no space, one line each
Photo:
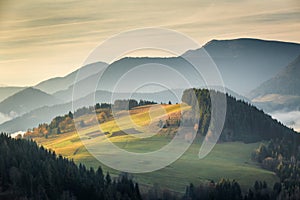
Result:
243,122
25,101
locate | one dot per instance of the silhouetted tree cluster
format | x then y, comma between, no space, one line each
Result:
28,171
222,190
128,104
125,104
145,102
102,105
231,190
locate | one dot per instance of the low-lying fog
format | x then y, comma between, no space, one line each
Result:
290,119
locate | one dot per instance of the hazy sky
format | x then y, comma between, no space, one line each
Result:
40,39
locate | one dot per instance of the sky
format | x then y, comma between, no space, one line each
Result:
49,38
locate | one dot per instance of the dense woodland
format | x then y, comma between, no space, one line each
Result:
28,171
243,122
283,157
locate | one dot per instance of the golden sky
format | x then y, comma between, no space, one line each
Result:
40,39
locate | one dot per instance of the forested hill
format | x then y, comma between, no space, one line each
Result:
243,121
28,171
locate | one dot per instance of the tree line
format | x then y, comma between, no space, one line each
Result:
28,171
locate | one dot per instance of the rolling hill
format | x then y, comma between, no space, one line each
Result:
25,101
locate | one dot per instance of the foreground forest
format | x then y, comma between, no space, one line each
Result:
28,171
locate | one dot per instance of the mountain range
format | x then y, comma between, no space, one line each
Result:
26,100
244,65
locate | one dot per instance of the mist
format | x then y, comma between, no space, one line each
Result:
290,119
4,118
13,135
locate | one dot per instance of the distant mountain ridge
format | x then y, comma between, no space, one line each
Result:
282,92
7,91
62,83
26,100
286,82
245,63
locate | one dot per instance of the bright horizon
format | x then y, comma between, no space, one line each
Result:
42,40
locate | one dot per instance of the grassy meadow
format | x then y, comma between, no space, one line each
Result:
230,160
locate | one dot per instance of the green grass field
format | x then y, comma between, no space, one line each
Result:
230,160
